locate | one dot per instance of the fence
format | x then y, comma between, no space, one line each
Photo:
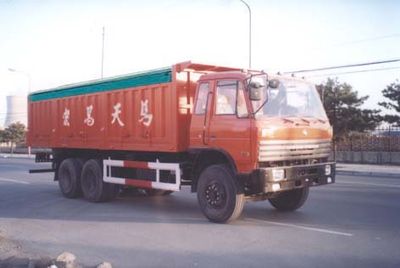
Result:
381,146
380,140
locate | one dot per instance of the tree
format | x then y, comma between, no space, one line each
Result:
343,107
2,136
14,133
392,92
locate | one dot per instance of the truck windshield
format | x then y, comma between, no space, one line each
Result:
292,98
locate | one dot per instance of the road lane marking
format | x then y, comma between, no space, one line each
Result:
370,184
14,181
320,230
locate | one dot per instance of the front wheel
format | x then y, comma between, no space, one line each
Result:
290,200
220,197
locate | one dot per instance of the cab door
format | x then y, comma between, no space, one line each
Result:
199,128
229,121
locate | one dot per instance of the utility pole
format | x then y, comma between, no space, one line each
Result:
102,52
334,122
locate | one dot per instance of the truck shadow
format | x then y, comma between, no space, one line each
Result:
44,202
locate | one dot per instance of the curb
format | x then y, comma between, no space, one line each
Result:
23,156
369,174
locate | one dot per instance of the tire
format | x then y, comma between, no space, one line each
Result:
220,197
290,200
93,187
69,177
157,192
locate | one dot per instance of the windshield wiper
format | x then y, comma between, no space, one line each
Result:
305,120
314,118
288,120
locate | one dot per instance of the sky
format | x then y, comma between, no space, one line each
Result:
51,43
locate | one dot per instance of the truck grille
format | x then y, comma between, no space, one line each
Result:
280,150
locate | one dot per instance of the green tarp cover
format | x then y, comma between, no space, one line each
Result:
127,81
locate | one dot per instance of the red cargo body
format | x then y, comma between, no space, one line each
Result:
147,111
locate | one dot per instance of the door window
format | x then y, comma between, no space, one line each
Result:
231,99
226,97
201,102
241,103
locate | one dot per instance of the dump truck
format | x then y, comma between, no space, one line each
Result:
232,135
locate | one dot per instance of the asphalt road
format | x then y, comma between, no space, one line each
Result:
353,223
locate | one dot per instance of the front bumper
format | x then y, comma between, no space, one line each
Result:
292,177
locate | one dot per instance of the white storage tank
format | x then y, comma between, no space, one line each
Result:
17,110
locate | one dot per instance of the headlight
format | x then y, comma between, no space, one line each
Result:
276,187
278,174
328,170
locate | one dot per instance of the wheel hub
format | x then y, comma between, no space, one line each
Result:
215,195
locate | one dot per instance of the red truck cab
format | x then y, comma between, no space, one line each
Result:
277,143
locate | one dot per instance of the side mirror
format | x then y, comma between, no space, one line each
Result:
255,91
273,83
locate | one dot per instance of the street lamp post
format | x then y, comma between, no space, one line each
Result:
248,7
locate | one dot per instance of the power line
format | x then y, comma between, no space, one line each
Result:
370,39
359,71
396,35
343,66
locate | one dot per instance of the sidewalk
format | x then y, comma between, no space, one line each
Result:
368,170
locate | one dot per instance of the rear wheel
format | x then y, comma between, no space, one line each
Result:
93,187
69,176
220,197
290,200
